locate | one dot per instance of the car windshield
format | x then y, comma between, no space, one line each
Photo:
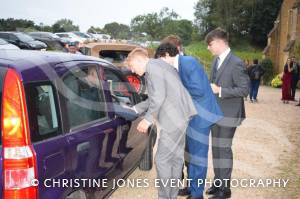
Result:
53,35
24,37
3,42
80,34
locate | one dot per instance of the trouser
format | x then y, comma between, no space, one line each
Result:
294,87
222,153
254,85
169,160
197,145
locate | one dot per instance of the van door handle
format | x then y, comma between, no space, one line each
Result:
83,146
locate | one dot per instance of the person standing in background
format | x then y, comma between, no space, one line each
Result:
247,64
286,81
295,77
255,73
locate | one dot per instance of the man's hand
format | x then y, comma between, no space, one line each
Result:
143,126
215,88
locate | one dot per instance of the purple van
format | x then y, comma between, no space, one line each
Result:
61,135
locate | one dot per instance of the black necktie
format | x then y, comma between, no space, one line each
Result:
215,69
217,63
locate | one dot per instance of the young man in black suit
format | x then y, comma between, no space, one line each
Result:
230,84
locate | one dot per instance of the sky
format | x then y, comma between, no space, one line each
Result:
86,13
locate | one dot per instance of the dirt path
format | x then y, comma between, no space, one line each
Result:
266,146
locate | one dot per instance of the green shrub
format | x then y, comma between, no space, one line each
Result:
269,74
276,81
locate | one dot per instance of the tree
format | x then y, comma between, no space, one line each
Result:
64,25
148,23
262,22
242,19
11,24
93,29
116,30
182,28
44,28
166,22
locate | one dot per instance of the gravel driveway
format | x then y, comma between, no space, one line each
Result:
266,146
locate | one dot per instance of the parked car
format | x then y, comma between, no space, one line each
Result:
70,37
116,53
53,41
84,36
58,126
7,46
102,37
92,36
23,40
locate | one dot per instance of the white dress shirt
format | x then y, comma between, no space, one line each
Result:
222,57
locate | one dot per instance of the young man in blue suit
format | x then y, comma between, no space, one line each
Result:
196,82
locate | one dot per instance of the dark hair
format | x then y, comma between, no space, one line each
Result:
164,48
217,33
255,61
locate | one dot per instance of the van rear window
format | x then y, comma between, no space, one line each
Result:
42,111
114,56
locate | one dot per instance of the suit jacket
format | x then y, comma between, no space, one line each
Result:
168,100
196,82
233,78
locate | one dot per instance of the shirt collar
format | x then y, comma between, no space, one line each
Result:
224,55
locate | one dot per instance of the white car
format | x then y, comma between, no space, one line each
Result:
102,37
71,37
7,46
84,36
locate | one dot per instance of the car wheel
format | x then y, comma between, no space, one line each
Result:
146,162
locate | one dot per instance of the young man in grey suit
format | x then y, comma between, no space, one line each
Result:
171,106
230,84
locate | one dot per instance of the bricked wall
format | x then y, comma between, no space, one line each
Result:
279,37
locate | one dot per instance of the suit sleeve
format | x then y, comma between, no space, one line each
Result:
241,83
142,107
195,81
156,92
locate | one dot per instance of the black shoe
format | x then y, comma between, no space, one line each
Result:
222,194
184,192
212,190
192,197
298,104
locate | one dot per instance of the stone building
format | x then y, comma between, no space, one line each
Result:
284,35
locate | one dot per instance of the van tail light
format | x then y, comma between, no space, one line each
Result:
135,82
19,162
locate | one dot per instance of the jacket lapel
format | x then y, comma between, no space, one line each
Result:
222,67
